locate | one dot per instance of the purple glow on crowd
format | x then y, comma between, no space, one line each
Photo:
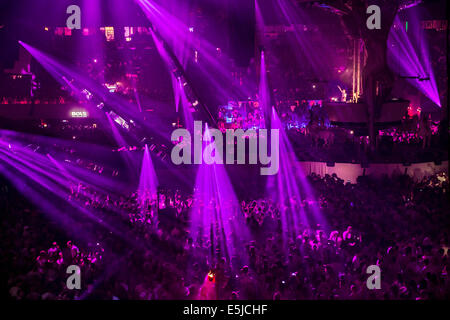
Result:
216,217
290,186
148,182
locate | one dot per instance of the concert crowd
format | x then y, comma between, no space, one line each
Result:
395,223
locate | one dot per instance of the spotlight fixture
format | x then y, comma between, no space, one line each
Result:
87,94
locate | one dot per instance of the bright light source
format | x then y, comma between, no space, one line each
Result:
87,94
109,33
79,114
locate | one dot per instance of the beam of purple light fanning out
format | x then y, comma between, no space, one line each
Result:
39,197
120,106
264,93
216,217
127,157
148,182
188,118
294,16
63,74
259,16
45,184
49,194
177,85
179,95
409,56
59,169
291,188
67,153
63,170
176,33
49,187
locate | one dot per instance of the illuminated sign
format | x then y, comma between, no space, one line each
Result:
79,114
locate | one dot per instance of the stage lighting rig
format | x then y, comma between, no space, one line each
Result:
87,94
179,73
